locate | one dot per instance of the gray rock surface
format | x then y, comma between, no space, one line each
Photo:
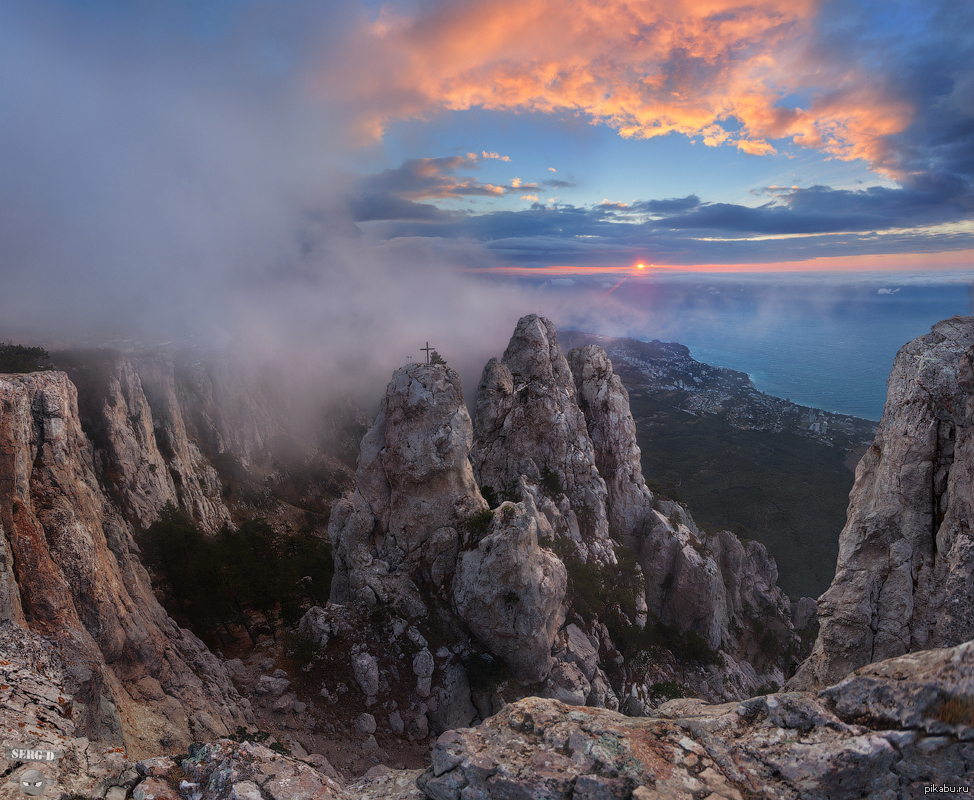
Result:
903,580
528,424
366,671
136,678
880,734
511,591
710,585
223,770
148,445
415,489
604,402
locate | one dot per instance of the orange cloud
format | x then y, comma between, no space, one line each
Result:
717,69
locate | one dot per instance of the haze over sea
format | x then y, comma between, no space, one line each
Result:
828,346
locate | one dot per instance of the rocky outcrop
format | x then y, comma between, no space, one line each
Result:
903,580
143,393
528,423
888,732
708,585
415,492
227,770
36,712
511,592
604,402
417,540
72,573
417,524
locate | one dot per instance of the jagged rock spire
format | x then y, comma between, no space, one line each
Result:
903,580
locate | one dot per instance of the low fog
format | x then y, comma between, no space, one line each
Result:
175,174
166,182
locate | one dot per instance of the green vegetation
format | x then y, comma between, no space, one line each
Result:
490,496
786,491
610,593
260,737
689,647
599,591
436,358
551,483
477,526
214,583
666,690
18,358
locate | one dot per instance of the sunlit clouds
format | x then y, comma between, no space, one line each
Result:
726,72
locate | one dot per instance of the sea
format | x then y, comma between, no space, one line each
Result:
817,342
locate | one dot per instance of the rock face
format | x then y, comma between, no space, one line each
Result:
708,585
35,710
903,581
511,592
71,572
604,402
150,386
528,424
416,535
920,733
414,526
415,490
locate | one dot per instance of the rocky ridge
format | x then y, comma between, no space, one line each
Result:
891,731
72,572
906,555
895,729
417,542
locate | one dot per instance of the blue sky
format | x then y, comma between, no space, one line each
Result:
269,165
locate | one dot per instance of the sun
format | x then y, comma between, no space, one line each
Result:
640,266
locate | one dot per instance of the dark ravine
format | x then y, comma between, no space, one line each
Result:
517,575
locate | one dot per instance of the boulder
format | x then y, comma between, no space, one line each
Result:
888,732
365,668
511,592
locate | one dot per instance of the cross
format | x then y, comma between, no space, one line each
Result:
427,349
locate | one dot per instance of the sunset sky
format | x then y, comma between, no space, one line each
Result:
162,150
599,134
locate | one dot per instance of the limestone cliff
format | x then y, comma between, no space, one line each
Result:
415,490
528,424
416,536
416,530
903,580
564,428
72,573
